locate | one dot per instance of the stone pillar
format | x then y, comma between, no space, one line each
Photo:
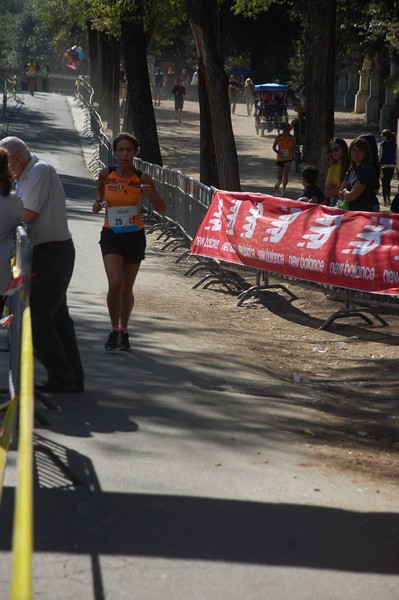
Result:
372,104
362,94
342,88
353,86
387,112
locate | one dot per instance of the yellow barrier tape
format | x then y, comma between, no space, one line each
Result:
5,434
22,543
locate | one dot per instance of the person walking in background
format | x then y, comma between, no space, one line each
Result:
31,71
358,187
387,160
179,92
44,73
194,85
284,146
169,82
339,164
159,82
184,77
53,332
234,90
122,239
248,93
11,215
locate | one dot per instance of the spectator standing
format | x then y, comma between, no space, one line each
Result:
179,92
169,82
31,70
387,160
184,77
284,146
339,164
358,187
248,94
194,85
53,332
11,215
44,74
377,169
234,90
122,238
159,82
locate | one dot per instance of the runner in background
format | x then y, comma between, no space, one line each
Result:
284,146
31,70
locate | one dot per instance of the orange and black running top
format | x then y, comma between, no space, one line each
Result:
285,146
123,202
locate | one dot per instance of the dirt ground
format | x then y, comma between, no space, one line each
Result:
350,369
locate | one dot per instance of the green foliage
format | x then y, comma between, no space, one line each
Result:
9,10
251,8
367,28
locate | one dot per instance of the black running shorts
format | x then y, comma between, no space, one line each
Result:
130,245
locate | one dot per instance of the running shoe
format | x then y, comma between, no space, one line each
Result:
124,343
112,341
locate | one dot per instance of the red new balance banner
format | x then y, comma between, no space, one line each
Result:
350,249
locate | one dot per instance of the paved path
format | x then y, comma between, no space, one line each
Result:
186,491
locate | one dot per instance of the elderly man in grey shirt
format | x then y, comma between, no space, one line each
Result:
53,332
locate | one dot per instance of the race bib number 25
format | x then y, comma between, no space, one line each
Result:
121,218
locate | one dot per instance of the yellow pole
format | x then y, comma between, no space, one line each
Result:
22,543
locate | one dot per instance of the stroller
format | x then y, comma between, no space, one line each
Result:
270,107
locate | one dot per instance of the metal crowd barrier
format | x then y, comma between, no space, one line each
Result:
103,156
21,377
11,101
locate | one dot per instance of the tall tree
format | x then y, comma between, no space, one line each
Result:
139,92
215,110
319,61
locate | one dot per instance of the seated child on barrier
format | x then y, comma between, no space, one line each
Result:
311,192
395,204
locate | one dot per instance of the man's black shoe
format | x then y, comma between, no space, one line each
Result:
60,387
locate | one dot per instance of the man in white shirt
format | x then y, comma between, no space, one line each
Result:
53,332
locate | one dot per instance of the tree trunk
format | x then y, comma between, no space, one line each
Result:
208,167
104,74
201,15
139,92
319,60
94,66
113,86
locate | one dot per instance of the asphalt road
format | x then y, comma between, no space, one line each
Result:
175,489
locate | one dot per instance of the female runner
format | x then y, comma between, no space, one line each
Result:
122,240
